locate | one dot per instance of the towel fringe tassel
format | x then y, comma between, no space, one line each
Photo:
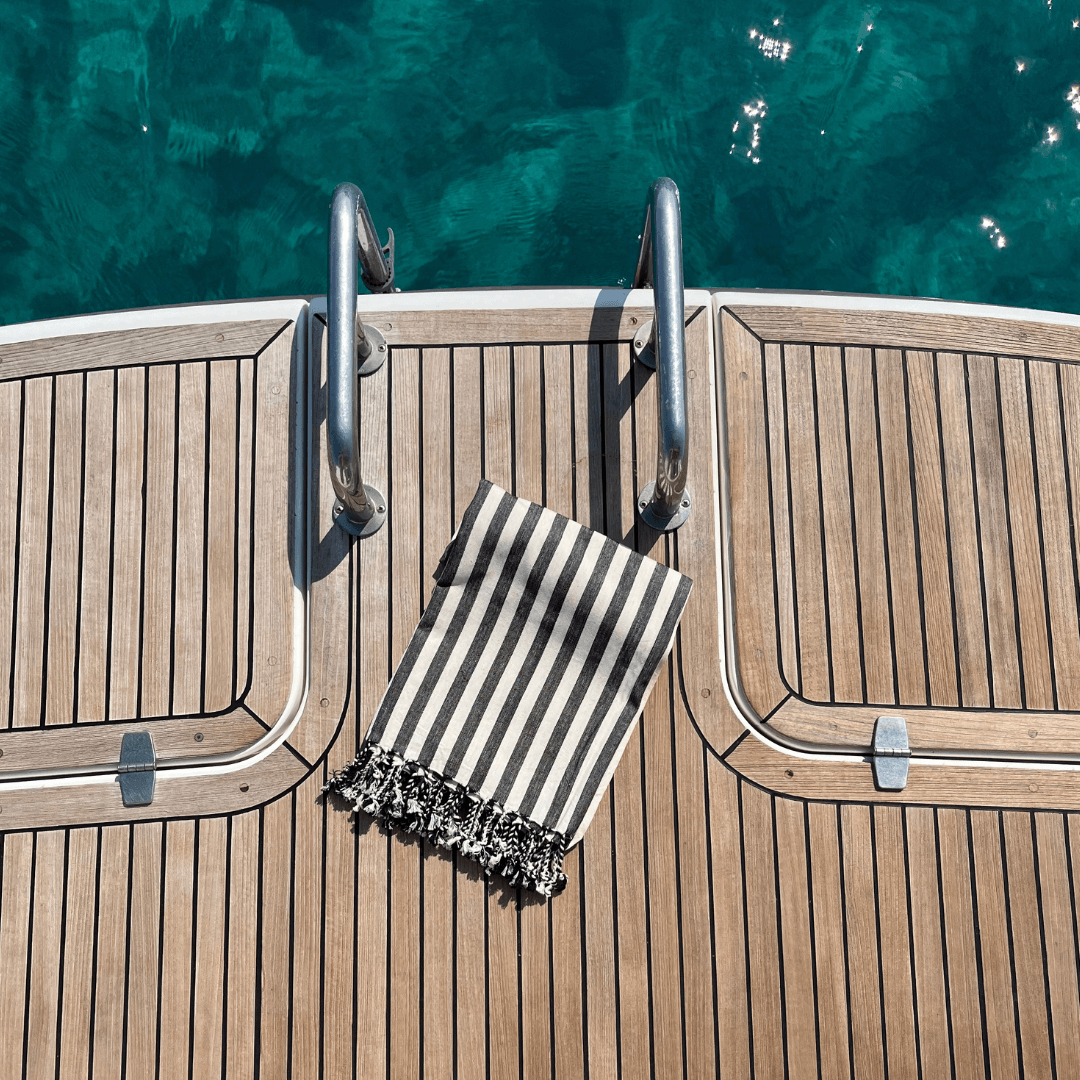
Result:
404,795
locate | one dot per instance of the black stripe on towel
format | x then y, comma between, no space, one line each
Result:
428,621
581,727
506,648
511,767
494,604
607,758
532,669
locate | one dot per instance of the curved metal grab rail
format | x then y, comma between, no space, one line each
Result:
665,503
352,349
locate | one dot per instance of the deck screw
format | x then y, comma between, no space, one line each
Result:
324,702
219,337
198,736
1,753
788,773
275,390
1032,734
243,787
706,692
633,320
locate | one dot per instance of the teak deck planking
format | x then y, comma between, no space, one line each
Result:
711,925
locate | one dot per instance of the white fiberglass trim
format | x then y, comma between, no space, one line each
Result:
507,300
147,318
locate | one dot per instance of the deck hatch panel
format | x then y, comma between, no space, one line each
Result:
903,522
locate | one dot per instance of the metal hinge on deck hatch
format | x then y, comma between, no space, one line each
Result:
891,753
138,763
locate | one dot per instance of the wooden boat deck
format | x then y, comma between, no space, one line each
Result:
732,910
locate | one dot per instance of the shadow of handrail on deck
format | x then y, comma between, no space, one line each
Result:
609,400
330,550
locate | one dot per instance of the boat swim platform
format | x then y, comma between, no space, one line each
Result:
883,523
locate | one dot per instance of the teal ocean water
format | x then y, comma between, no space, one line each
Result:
169,151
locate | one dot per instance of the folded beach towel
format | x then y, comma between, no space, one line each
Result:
516,696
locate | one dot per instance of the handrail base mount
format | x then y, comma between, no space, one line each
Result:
647,508
377,350
643,348
364,528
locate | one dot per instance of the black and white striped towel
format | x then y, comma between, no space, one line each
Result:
517,694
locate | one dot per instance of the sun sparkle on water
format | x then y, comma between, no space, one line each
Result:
531,168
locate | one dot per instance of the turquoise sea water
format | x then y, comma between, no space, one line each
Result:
168,151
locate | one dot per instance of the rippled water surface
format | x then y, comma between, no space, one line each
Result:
167,151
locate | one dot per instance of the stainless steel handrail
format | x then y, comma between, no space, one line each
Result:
352,349
665,503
